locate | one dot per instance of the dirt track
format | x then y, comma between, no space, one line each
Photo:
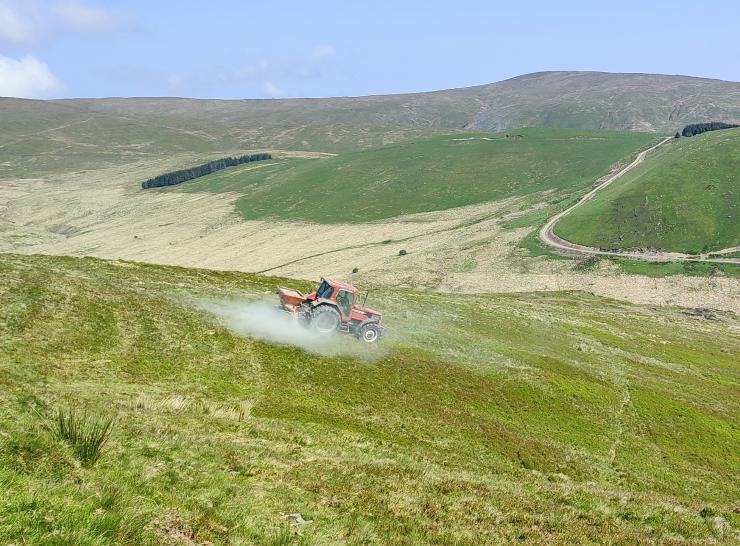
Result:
547,234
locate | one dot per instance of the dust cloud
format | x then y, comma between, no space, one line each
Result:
263,320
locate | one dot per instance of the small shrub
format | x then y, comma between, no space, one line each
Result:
86,435
523,462
707,512
402,252
280,538
589,264
110,496
355,270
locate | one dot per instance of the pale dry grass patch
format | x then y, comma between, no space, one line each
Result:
176,403
201,229
239,412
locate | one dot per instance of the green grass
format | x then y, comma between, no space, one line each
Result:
85,434
665,269
531,418
683,198
534,247
424,175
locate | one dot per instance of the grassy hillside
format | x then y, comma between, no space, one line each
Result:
43,139
425,175
683,198
39,138
533,418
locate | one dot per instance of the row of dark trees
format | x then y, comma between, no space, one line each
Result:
178,177
699,128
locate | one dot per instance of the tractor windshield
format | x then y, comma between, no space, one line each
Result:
345,300
325,290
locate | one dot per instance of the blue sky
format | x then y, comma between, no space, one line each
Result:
245,49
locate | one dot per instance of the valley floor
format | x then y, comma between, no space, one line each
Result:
470,249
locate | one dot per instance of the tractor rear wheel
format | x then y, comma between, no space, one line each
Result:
325,319
369,333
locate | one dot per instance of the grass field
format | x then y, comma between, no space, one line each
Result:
424,175
683,198
554,418
667,269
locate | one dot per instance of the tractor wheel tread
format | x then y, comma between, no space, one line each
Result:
369,333
325,319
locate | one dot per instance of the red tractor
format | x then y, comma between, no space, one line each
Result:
332,308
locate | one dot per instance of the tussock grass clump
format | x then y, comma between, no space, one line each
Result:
85,434
589,264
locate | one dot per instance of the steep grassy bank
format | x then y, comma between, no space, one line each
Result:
559,418
425,175
683,198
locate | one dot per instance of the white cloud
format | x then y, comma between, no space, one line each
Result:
14,27
273,91
269,78
78,16
324,52
175,80
28,21
317,62
27,78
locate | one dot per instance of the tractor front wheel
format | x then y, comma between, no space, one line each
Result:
370,333
325,320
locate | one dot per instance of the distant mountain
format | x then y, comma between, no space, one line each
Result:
598,100
586,100
93,130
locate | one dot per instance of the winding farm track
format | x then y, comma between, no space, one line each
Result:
547,234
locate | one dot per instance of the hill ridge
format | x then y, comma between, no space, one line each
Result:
567,99
539,73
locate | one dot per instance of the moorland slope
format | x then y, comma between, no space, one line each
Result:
682,198
70,175
425,175
584,100
536,418
46,137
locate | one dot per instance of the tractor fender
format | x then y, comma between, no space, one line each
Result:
370,320
317,303
310,306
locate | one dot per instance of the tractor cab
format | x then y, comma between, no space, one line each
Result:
343,294
345,297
